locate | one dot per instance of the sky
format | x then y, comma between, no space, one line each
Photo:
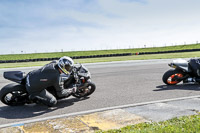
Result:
37,26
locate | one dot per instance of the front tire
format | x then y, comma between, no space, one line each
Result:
171,77
86,91
13,94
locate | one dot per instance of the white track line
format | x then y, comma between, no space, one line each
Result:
93,111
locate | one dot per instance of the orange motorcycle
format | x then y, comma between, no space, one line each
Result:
187,71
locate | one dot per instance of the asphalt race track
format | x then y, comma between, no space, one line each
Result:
118,83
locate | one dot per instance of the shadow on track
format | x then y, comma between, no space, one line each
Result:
33,110
194,87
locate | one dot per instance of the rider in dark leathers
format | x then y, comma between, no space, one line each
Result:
49,75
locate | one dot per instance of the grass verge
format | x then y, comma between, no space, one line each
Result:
95,52
185,124
109,59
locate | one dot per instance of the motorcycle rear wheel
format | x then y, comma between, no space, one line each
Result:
13,95
170,77
86,91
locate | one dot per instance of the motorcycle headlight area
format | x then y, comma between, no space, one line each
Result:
89,74
85,74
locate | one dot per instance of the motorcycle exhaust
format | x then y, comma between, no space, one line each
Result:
192,80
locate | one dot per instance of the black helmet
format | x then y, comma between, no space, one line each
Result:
65,64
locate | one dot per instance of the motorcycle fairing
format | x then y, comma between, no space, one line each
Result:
181,64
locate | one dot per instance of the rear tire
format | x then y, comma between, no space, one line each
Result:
170,77
13,95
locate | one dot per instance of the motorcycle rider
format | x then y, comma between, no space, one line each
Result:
195,65
49,75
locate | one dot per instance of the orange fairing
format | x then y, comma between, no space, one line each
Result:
171,79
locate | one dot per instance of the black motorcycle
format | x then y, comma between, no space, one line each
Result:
186,71
15,94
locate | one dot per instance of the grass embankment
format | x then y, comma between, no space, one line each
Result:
102,52
96,52
109,59
185,124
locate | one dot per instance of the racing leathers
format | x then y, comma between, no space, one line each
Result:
38,80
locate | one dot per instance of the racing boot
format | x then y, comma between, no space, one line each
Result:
66,92
39,100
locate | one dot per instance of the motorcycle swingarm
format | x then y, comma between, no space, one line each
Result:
182,78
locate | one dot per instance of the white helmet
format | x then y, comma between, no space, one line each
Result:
65,64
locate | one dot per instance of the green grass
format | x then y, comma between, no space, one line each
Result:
109,59
185,124
96,52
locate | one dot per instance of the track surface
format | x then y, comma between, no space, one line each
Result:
118,83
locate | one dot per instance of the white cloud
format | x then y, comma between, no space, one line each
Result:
100,24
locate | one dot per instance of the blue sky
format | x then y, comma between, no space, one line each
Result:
70,25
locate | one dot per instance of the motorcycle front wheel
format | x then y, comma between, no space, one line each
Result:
85,91
13,95
172,77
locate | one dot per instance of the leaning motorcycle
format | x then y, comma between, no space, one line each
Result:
15,94
184,70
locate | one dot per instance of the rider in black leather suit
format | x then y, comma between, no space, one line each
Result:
49,75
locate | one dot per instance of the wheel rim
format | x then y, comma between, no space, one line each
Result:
14,98
171,79
85,91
